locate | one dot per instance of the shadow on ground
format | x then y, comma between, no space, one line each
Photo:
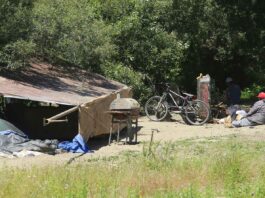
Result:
98,142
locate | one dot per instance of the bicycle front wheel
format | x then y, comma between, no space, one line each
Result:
197,112
156,109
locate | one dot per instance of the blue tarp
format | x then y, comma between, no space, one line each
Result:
78,145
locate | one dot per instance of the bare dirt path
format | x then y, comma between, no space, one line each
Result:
168,131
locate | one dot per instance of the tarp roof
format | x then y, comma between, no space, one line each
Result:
46,83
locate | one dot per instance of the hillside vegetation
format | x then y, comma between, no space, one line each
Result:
138,42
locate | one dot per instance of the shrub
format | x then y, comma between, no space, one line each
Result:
17,54
252,91
71,32
129,77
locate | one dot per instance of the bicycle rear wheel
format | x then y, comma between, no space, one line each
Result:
197,112
156,109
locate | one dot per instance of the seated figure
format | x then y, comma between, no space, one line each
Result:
256,114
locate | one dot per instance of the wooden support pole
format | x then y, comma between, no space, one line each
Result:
55,118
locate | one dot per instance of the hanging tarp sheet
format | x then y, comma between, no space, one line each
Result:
93,117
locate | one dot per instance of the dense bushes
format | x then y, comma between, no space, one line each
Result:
130,77
15,28
70,31
17,54
164,40
252,91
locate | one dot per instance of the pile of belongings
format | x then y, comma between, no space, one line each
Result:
15,143
234,112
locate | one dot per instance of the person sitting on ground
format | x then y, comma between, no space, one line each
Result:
256,114
233,92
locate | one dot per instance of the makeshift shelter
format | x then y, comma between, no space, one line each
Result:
82,96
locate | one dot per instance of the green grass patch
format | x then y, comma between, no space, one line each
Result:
228,167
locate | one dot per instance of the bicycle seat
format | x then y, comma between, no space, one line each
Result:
187,94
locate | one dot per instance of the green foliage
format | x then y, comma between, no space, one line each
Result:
166,40
216,95
146,46
251,92
113,11
143,44
17,54
2,107
221,39
72,32
15,20
129,77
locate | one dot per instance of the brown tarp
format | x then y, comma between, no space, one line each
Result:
93,117
47,83
67,86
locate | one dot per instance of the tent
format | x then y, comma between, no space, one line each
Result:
81,96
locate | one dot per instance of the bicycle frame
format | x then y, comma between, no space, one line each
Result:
192,111
171,93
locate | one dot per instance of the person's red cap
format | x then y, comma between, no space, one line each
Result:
261,95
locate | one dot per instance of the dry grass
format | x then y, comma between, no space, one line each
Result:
230,167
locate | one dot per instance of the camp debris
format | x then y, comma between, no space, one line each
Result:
15,143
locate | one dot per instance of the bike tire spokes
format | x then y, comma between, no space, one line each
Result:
197,112
155,109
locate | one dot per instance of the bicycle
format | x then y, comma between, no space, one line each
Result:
192,111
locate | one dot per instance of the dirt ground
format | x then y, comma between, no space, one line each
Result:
163,131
